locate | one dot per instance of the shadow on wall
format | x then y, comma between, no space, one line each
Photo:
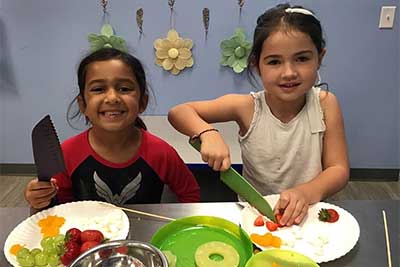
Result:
7,76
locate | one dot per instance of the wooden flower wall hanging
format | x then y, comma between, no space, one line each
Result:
173,53
236,50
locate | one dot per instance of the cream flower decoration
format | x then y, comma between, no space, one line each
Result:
173,53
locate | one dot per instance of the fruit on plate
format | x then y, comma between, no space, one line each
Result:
226,255
50,226
328,215
72,251
171,258
259,221
271,226
92,235
73,234
266,240
47,255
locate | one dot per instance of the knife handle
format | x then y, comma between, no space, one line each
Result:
44,179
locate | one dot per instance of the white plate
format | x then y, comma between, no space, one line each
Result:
307,237
81,214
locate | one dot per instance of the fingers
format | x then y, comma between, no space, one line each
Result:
39,194
218,162
295,208
303,213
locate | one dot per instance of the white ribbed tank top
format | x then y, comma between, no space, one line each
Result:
278,155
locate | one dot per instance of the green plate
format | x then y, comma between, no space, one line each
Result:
283,258
183,236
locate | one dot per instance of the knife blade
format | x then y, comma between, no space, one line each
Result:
47,153
242,187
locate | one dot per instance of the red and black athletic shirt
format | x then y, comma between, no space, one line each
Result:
140,180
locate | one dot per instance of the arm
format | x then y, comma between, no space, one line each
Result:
194,117
335,164
180,179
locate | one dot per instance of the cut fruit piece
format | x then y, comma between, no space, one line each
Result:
205,253
171,258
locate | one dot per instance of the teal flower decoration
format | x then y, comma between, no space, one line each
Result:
235,51
106,38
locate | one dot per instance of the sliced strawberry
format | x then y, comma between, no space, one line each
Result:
271,226
259,221
278,218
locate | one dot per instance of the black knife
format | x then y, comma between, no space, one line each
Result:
47,152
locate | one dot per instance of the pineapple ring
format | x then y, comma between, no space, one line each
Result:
229,254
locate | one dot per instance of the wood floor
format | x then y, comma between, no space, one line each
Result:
12,188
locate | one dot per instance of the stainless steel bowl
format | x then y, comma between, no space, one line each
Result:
122,253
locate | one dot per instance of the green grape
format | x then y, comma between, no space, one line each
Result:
59,238
22,253
35,251
60,249
46,242
53,260
27,261
41,259
50,249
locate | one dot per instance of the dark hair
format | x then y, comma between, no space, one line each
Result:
276,18
107,54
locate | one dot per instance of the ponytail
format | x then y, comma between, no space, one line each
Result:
140,123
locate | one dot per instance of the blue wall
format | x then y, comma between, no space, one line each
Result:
42,41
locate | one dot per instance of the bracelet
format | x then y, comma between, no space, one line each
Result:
196,136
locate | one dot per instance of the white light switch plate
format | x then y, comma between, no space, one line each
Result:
387,17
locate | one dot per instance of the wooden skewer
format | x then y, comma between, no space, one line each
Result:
140,212
387,239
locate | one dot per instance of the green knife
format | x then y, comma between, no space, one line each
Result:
238,184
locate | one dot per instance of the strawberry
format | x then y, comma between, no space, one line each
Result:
278,218
88,245
72,251
92,235
271,226
328,215
259,221
73,234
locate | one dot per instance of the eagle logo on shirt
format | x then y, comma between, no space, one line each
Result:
127,192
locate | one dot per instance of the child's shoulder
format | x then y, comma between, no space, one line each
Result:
153,140
79,140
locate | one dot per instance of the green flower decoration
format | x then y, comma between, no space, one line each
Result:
106,38
235,51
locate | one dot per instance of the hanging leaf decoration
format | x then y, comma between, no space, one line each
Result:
106,38
206,19
139,19
104,5
241,3
171,4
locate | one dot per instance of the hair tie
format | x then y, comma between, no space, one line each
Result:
301,11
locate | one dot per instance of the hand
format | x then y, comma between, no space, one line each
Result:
39,194
293,206
214,151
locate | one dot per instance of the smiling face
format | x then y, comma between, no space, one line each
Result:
288,65
111,99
